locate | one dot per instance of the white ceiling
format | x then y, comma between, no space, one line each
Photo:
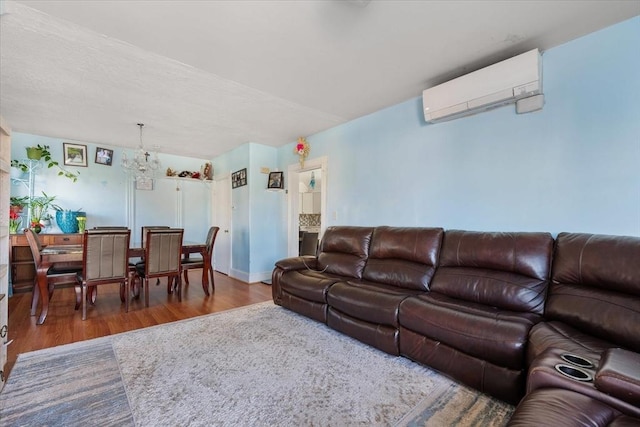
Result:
207,76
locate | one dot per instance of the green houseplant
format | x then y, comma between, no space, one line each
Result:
43,152
39,208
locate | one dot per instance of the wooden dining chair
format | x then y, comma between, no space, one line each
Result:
189,262
162,258
105,259
57,274
309,244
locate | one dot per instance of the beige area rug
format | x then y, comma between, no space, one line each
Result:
260,365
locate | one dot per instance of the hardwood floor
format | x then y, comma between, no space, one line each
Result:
64,325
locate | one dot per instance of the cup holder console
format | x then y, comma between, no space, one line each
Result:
576,360
573,372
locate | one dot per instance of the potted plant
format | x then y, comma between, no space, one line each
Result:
18,169
17,204
39,207
42,152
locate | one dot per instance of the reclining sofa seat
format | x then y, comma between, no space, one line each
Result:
594,297
301,283
487,293
401,263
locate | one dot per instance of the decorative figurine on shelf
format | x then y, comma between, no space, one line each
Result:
207,172
171,172
302,149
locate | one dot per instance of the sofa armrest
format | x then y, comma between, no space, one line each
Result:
619,375
297,263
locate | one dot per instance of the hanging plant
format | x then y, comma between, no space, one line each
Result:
42,152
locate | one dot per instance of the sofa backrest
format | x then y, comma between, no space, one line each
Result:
596,286
506,270
403,256
344,250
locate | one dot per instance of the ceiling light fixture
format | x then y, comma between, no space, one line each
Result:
143,164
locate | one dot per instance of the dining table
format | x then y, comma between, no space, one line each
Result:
72,255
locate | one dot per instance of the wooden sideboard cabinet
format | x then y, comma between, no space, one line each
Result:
23,271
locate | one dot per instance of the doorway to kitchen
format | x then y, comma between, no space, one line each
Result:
307,205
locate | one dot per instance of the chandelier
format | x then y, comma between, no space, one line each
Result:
143,164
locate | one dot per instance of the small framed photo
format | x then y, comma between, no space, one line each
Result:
144,183
276,180
239,178
74,154
104,156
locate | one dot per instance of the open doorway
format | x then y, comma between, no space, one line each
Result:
307,205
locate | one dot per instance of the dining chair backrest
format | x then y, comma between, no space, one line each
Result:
105,255
35,245
309,245
163,252
110,227
146,228
211,238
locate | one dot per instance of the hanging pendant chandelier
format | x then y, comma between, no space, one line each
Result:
143,164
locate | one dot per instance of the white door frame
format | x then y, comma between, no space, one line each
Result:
293,207
218,212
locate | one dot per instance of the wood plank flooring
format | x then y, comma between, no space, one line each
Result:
64,325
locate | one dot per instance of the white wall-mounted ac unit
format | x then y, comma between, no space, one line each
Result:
494,86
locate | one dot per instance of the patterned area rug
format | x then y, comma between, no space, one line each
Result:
260,365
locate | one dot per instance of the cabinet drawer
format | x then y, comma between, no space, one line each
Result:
64,239
21,253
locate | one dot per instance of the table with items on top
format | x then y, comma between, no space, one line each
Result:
72,254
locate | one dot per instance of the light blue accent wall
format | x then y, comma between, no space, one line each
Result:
255,211
574,166
101,191
263,220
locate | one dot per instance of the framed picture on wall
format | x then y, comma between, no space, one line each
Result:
104,156
74,154
239,178
144,183
276,180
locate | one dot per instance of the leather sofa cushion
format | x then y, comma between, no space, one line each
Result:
403,256
554,334
528,254
596,260
506,290
596,286
371,302
506,270
488,333
307,284
608,315
344,250
559,407
619,375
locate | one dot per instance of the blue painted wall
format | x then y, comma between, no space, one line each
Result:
254,212
574,166
101,191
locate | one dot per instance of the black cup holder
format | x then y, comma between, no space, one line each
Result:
576,360
573,372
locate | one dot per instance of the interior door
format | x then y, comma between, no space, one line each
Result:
222,218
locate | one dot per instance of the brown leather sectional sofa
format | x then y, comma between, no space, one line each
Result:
504,313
